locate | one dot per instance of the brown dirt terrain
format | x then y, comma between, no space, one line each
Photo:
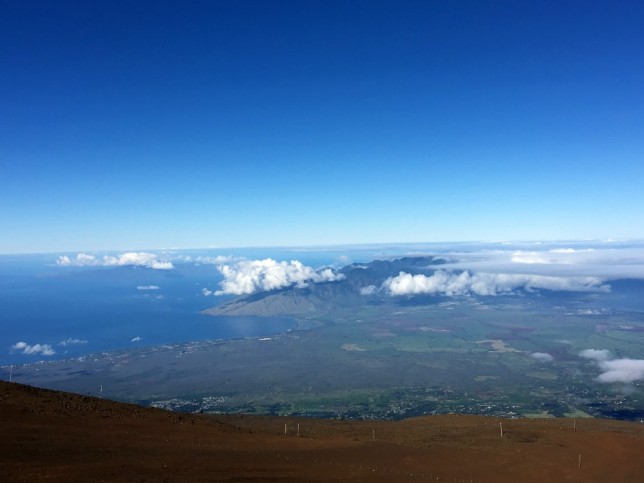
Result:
55,436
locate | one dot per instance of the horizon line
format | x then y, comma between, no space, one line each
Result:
328,246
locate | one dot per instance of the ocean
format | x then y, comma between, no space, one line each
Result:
67,311
57,312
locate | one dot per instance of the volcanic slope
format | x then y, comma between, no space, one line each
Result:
56,436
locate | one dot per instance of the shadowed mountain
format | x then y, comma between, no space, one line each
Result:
328,295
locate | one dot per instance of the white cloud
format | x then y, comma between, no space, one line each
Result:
83,258
615,370
542,356
464,283
369,290
36,349
563,256
64,261
148,287
136,339
71,341
207,292
596,354
621,370
139,259
245,277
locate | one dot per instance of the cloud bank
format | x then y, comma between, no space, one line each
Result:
245,277
448,283
565,256
31,350
601,260
615,370
137,259
148,287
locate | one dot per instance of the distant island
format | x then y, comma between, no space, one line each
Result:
349,291
392,339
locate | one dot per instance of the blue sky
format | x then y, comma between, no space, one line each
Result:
196,124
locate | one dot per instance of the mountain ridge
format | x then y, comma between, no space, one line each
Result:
300,301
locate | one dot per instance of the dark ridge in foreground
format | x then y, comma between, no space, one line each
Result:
57,436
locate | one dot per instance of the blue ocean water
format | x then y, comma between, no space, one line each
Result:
81,310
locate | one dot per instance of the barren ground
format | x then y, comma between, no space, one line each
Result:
55,436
